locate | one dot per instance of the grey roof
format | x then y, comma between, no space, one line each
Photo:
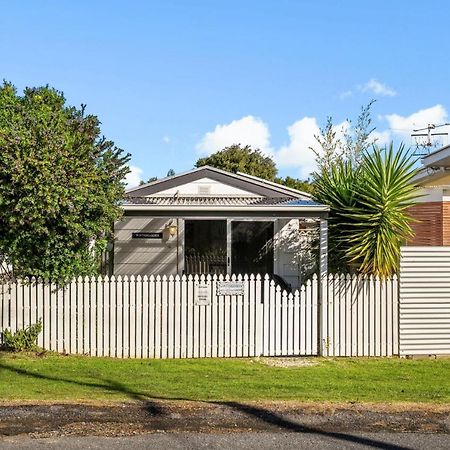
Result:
213,200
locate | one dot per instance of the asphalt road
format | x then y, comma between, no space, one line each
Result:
242,440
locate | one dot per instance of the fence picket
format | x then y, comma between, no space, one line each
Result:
221,322
183,317
119,318
66,318
214,317
152,307
190,316
93,316
315,316
177,318
284,324
99,316
106,318
113,317
136,321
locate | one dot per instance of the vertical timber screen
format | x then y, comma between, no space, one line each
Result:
359,316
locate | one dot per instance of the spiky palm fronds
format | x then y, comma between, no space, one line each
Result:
369,219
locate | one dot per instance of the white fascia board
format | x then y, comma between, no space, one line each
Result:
168,208
438,158
278,186
426,177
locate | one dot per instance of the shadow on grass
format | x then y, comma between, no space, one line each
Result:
109,385
262,414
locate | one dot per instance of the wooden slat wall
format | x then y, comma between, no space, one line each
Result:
425,301
359,316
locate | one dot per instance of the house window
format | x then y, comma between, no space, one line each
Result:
205,246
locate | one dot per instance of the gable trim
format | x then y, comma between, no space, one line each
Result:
245,182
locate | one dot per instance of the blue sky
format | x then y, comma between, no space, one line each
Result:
172,80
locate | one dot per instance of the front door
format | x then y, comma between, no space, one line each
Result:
251,247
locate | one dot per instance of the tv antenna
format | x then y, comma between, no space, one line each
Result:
428,135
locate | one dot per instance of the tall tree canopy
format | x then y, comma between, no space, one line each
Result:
237,158
241,159
60,184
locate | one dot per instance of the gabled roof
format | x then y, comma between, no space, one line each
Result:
255,185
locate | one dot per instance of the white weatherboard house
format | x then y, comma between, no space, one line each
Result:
211,221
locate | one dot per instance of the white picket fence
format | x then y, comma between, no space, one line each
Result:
164,317
186,317
359,316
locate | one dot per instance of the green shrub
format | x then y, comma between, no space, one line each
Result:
22,340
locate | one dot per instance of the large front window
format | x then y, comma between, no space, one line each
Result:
251,247
205,246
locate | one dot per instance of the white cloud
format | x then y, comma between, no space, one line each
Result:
381,138
249,130
404,125
166,139
133,177
297,153
378,88
346,94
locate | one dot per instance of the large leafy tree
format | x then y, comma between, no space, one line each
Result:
369,209
60,184
238,158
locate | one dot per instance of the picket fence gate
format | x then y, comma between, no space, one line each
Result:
185,317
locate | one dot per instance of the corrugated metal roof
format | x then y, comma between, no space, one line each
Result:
212,200
301,203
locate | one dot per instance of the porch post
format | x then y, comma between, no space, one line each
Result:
229,246
323,276
323,248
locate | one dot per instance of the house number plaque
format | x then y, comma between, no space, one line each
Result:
146,235
230,288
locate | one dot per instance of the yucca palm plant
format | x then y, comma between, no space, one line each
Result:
369,219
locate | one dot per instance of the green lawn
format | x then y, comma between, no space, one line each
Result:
72,378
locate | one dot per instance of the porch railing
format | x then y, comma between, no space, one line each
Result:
212,264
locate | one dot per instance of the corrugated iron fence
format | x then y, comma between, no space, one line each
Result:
425,301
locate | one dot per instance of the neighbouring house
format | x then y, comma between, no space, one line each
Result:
214,222
432,212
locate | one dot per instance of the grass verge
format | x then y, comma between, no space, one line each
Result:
80,378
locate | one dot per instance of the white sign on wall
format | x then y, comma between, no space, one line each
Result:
201,294
230,288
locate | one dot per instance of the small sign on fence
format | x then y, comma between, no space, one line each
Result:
230,288
201,294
